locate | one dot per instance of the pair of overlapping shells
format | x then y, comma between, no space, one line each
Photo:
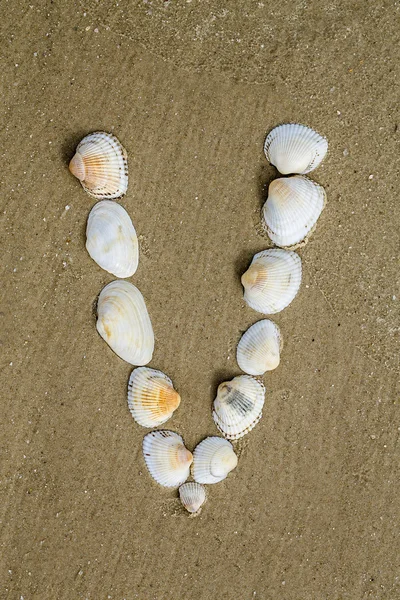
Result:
100,163
295,203
169,463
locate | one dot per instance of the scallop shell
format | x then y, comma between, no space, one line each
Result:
124,323
272,280
292,209
100,163
151,397
166,458
294,148
213,459
193,496
111,239
238,406
259,348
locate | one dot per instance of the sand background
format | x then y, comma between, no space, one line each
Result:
191,88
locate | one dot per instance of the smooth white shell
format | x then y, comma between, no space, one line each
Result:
294,148
100,163
124,323
213,459
193,496
292,209
111,239
272,280
151,397
238,406
167,459
259,348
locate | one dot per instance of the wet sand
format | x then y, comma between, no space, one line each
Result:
191,89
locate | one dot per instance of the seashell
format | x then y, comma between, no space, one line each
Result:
193,496
292,209
124,323
151,397
238,406
100,163
272,280
111,239
166,458
259,348
294,148
213,459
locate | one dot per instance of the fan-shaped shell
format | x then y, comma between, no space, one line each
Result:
259,348
193,496
238,406
294,148
272,280
292,209
111,239
101,165
167,459
213,459
151,397
124,323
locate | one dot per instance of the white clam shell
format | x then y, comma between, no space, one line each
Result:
238,406
124,323
100,163
292,209
294,148
111,239
272,280
193,496
213,459
166,457
259,348
151,397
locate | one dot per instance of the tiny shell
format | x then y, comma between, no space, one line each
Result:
111,239
259,348
167,459
151,397
124,323
294,148
272,280
238,406
213,459
292,209
193,496
100,163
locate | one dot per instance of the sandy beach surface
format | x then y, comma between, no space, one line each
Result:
191,88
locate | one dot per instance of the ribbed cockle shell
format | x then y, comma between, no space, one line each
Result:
213,459
272,280
101,165
151,397
238,406
292,209
167,459
294,148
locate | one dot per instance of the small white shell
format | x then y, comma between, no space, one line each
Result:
294,148
259,348
100,163
166,458
213,459
272,280
124,323
238,406
292,209
193,496
151,397
111,239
